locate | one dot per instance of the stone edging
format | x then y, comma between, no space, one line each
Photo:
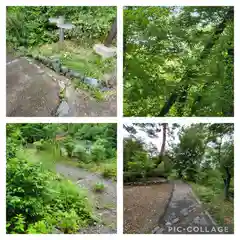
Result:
55,65
165,210
144,183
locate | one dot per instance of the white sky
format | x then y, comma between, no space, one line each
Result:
156,141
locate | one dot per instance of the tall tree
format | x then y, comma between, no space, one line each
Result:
164,130
225,151
189,152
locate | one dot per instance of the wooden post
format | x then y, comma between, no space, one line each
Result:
112,34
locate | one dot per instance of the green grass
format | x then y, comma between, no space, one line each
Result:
78,58
221,210
97,94
48,157
108,169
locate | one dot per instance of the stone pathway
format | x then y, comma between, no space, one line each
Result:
105,203
33,90
184,210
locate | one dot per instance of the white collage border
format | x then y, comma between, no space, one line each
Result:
119,119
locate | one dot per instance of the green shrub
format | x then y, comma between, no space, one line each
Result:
110,170
80,152
98,153
40,145
33,193
17,224
131,176
99,187
69,221
156,173
42,226
69,145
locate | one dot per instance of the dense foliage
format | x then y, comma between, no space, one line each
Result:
178,61
201,154
38,199
29,26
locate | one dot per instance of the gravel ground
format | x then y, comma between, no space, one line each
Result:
143,206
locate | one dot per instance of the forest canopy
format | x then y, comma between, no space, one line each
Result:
178,61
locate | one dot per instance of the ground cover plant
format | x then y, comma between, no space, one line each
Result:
178,61
39,198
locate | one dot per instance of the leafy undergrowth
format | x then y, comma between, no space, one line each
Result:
213,200
81,59
43,201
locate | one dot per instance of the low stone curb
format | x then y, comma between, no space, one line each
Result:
56,65
145,183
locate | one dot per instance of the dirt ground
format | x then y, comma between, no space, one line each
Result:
143,205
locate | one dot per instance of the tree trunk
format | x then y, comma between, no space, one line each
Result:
112,34
164,139
164,136
181,92
227,181
180,175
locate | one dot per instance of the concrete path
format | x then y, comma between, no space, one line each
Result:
105,203
33,90
184,210
30,91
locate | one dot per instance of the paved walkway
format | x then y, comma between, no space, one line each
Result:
183,210
33,90
30,91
